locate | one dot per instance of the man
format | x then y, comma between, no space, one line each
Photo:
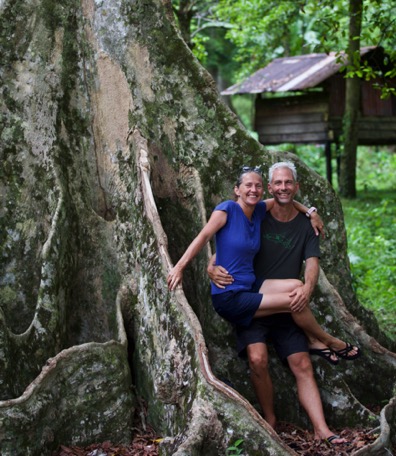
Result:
287,239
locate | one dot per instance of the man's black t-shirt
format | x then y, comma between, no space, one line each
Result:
284,247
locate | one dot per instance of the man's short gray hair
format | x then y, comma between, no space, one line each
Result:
285,164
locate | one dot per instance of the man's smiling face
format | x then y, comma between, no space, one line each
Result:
283,187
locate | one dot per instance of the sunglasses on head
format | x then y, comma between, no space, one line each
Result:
256,169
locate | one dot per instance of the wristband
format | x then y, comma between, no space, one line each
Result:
310,210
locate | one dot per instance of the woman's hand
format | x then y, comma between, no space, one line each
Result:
175,277
317,224
300,298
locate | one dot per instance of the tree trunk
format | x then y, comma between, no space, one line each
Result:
352,104
114,146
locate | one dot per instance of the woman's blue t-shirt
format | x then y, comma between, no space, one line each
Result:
237,243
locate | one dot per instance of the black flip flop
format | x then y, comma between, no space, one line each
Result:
324,353
345,351
330,440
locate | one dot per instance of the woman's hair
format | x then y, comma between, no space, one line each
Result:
246,170
285,164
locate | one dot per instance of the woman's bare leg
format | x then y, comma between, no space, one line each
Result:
271,286
280,285
276,299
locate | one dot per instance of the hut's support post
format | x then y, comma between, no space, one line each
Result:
329,170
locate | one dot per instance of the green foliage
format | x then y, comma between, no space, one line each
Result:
206,36
378,29
263,30
376,169
243,105
219,51
235,449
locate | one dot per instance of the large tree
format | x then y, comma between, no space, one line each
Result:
114,145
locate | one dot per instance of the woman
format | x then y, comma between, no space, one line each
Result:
236,225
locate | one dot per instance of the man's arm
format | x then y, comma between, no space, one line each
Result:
217,274
311,274
302,295
316,220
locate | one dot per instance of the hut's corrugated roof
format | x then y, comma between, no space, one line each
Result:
292,73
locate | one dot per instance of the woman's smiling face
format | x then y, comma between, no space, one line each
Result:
250,190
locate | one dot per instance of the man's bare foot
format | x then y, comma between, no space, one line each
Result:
335,439
330,438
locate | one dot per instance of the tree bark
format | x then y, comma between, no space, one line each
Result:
114,147
352,104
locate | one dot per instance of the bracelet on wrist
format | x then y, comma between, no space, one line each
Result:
310,211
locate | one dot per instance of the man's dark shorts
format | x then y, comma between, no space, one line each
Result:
280,330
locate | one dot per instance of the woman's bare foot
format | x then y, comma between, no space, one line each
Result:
344,350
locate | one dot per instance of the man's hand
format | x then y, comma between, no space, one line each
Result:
219,276
300,298
317,224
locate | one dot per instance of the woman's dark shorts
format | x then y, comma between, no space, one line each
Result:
278,329
237,307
